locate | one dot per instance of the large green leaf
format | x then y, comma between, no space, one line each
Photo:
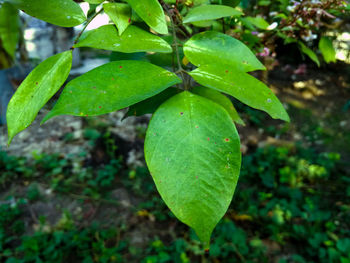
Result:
242,86
65,13
9,28
152,13
34,92
192,150
111,87
210,12
220,99
326,47
132,40
120,14
214,48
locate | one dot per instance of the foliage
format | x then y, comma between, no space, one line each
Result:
201,126
293,22
289,207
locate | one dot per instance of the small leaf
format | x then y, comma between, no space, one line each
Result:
326,47
307,51
132,40
111,87
258,22
150,105
192,150
214,48
9,28
220,99
120,15
65,13
152,13
210,12
35,91
242,86
95,2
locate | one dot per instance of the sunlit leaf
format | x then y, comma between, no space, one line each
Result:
111,87
65,13
132,40
35,91
326,47
210,12
214,48
152,13
192,150
120,14
242,86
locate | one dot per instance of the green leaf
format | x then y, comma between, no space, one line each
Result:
210,12
35,91
152,13
132,40
214,48
9,28
326,47
220,99
151,105
111,87
258,22
192,150
65,13
120,15
242,86
307,51
95,2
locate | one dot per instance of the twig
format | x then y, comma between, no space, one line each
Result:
87,23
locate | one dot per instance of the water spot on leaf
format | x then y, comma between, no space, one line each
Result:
268,100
